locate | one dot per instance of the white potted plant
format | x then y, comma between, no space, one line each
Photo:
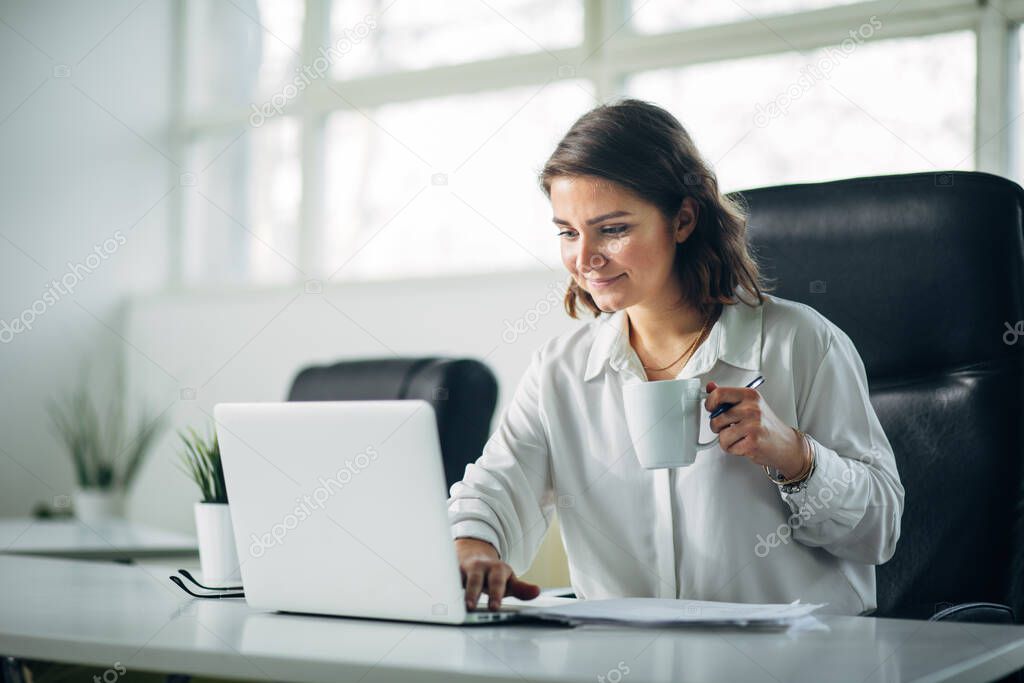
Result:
217,554
106,455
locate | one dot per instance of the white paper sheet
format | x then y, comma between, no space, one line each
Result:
668,612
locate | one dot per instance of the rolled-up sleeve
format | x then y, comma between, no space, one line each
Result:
506,497
853,503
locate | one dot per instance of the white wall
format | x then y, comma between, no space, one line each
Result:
82,157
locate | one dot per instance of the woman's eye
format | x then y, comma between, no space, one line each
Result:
613,230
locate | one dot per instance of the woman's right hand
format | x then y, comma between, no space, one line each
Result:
482,570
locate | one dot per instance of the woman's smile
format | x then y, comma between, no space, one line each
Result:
606,282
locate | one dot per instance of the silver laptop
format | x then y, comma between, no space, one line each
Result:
339,507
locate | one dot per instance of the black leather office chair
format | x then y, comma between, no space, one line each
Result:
463,392
925,272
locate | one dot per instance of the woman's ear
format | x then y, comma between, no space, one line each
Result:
686,219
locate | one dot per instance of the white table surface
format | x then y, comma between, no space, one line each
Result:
71,538
105,613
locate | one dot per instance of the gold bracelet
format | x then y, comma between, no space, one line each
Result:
810,459
804,472
801,484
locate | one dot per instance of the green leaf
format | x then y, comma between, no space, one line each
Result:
201,456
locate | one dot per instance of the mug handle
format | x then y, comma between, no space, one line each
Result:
700,444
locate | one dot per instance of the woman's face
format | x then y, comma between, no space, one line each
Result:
616,245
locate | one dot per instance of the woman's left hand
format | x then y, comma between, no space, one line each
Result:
752,429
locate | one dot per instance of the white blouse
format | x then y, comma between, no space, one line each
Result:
718,529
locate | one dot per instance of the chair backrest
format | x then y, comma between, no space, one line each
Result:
463,393
925,273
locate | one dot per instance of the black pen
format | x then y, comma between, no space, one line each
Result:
758,381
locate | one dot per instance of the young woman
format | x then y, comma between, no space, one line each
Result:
800,499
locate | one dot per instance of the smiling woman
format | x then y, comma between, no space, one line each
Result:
638,161
660,257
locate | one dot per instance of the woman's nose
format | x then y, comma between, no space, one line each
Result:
589,257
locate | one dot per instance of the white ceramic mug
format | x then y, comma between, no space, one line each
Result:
664,421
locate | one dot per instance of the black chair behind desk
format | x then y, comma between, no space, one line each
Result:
463,393
925,272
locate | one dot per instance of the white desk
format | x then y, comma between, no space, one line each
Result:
99,614
115,539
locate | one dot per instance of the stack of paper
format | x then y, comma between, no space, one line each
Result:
668,612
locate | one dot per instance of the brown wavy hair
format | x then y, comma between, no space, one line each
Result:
644,149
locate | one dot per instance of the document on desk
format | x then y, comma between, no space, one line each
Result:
667,612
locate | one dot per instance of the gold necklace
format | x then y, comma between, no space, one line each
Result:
690,348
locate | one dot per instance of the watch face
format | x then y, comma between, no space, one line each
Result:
799,486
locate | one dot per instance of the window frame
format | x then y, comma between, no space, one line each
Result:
609,53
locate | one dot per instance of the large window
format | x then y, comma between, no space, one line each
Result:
354,139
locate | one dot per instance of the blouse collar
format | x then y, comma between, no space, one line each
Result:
735,338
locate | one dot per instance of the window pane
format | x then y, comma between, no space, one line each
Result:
389,35
445,185
658,16
829,114
242,206
240,53
275,191
280,42
215,249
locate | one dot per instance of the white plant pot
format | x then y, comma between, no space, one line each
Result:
98,505
217,554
